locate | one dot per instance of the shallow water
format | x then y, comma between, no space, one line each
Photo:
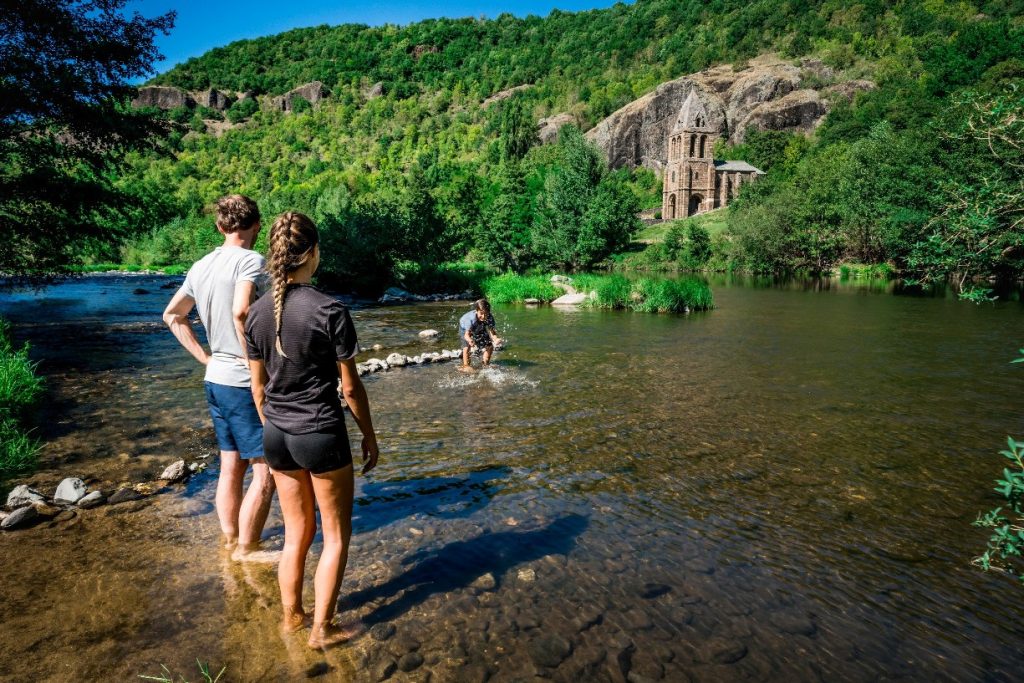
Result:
781,488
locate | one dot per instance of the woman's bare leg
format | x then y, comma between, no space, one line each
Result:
334,492
295,492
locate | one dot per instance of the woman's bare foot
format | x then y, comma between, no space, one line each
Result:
294,619
329,635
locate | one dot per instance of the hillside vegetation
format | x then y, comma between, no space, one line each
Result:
920,172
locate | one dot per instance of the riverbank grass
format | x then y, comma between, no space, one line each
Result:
20,389
645,295
512,289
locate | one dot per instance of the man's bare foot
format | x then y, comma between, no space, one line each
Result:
294,620
329,635
252,553
228,542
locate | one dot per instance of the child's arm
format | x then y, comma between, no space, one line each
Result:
468,338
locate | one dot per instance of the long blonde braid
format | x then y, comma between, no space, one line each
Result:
293,236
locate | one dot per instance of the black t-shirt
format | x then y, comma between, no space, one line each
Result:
316,332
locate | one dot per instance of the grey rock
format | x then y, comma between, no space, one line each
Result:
91,500
23,495
188,507
527,575
69,491
531,301
487,582
560,278
175,471
376,90
410,661
799,111
547,129
549,650
569,300
396,360
19,517
382,631
124,495
162,97
214,99
429,334
312,92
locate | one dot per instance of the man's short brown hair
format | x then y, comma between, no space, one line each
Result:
236,212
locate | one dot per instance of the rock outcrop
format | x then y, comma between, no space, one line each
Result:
163,97
547,129
769,94
504,95
311,92
214,99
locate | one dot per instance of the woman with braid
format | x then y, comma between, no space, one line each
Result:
300,342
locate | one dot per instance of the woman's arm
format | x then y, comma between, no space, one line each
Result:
355,396
258,370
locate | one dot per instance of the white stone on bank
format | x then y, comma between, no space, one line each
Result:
69,491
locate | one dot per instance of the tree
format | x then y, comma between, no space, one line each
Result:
503,234
65,123
518,129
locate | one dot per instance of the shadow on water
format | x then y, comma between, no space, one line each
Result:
381,503
457,565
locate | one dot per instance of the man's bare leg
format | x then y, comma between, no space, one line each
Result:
229,494
255,507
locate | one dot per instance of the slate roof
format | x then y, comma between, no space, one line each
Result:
736,166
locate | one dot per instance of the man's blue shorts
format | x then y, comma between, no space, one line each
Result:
235,420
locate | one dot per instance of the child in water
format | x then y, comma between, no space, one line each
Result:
476,330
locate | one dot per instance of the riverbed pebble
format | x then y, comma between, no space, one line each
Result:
487,582
383,670
410,662
382,631
91,500
19,517
549,650
174,472
46,510
70,491
65,516
723,651
124,495
527,575
23,495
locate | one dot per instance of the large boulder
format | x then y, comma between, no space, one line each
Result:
162,97
636,134
767,94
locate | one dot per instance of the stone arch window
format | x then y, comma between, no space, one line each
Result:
700,121
703,142
673,176
693,144
671,207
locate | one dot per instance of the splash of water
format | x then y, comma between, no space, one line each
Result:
494,375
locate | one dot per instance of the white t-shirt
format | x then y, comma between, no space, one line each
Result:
211,282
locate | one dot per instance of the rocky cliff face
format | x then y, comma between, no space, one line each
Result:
770,94
312,92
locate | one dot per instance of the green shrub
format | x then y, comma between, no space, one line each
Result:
509,288
20,389
649,295
421,278
1006,544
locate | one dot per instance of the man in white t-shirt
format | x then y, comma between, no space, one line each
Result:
221,286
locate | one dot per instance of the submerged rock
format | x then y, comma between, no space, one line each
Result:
92,500
549,650
23,495
19,517
175,471
70,491
124,495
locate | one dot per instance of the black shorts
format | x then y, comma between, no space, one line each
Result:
318,452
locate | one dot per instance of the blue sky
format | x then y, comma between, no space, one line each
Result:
204,25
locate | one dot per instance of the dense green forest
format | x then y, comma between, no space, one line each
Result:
923,173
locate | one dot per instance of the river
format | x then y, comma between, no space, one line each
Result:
779,489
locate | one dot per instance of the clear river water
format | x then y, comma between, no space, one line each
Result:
779,489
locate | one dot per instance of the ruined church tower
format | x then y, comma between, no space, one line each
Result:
689,182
